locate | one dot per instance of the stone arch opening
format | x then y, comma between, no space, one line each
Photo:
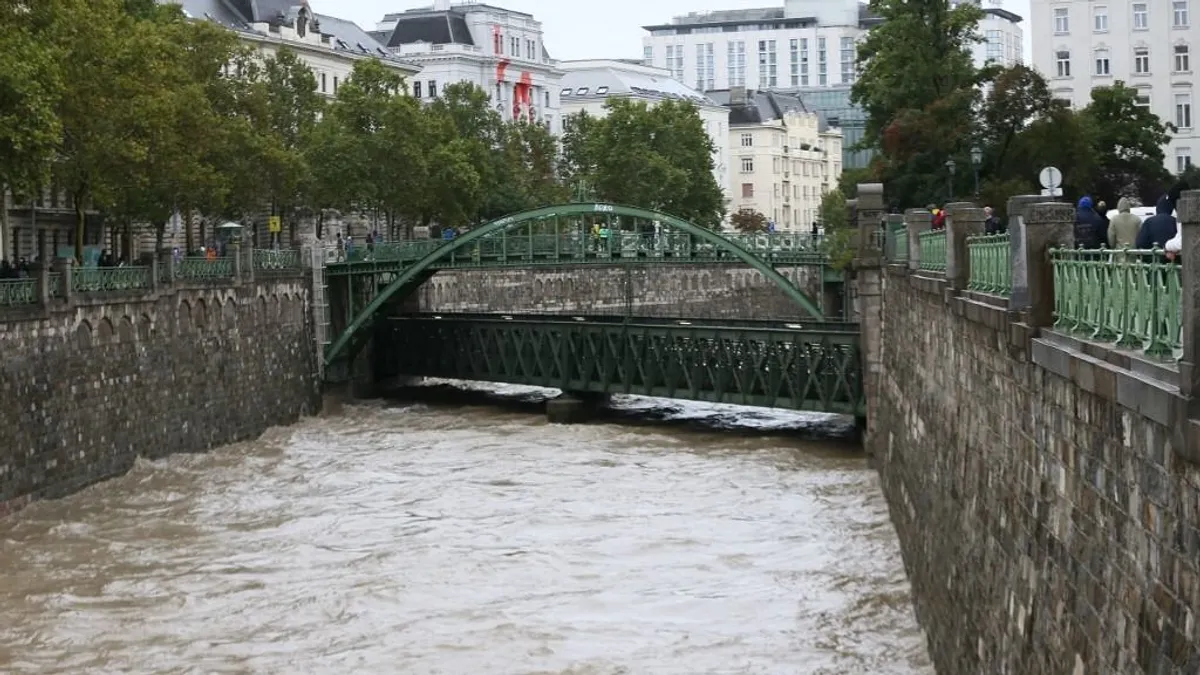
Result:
126,331
83,335
183,317
145,328
200,315
104,331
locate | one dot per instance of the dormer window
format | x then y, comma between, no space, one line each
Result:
565,92
302,23
600,91
582,91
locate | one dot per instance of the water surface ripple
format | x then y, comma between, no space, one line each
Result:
466,541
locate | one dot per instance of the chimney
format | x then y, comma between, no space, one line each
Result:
737,96
441,5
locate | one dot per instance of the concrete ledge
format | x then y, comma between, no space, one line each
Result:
987,299
989,315
931,285
1166,372
1157,401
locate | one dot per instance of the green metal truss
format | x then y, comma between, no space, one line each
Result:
749,363
565,235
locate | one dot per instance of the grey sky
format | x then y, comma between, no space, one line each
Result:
580,29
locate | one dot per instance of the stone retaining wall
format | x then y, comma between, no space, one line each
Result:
1048,515
86,389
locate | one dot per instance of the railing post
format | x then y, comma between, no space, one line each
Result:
171,273
1044,226
1188,211
963,219
1017,208
65,268
917,221
154,273
43,282
869,208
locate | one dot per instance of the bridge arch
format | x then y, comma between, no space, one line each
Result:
419,270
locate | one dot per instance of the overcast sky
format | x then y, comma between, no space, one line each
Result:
581,29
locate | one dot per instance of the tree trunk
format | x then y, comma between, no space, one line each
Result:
80,224
4,223
188,240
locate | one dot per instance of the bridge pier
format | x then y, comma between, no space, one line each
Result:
576,407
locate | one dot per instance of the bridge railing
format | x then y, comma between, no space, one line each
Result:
1132,298
990,264
933,250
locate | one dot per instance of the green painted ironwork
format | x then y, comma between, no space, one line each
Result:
199,268
768,364
605,233
990,257
18,292
933,250
901,251
276,261
1132,298
110,279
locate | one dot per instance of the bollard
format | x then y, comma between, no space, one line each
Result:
917,221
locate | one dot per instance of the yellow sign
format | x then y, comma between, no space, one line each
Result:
274,224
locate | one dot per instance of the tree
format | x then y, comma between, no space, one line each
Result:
839,235
1019,96
1127,141
918,87
656,157
468,132
748,221
30,87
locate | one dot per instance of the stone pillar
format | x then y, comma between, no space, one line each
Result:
1017,208
917,221
154,266
576,407
963,219
893,222
1045,226
64,266
1188,211
43,282
171,273
869,209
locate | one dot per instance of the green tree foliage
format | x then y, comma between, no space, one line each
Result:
1127,145
839,235
30,86
657,157
748,221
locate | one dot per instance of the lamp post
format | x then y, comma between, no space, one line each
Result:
950,166
976,160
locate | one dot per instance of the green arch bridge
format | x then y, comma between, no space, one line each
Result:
371,290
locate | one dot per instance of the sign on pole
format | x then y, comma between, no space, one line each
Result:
274,225
1050,178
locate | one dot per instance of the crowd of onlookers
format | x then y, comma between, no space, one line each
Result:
1096,229
21,269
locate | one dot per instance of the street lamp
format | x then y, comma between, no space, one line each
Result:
976,160
950,166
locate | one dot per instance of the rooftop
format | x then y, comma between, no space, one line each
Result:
765,16
588,80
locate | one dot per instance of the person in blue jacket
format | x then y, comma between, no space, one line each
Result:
1091,231
1159,228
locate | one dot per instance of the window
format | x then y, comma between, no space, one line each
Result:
1100,19
1102,62
323,90
433,89
848,74
737,64
335,83
582,91
1183,111
1141,61
803,62
1183,59
706,67
566,91
675,61
1062,24
822,65
416,89
1142,101
747,140
1179,12
1063,61
600,91
648,55
1183,159
747,190
747,165
1141,18
767,73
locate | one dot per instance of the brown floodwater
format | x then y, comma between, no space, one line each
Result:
466,540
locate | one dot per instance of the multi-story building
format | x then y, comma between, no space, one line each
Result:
807,47
586,85
499,50
330,46
1082,44
783,157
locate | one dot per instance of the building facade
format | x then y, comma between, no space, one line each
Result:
783,157
499,50
1003,37
587,85
1147,44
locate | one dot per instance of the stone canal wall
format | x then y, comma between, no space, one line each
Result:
701,291
88,387
1047,510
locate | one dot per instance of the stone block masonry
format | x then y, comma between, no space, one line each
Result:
1048,518
86,389
700,291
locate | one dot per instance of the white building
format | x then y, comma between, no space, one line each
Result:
586,85
1147,44
330,46
783,159
803,44
499,50
1003,38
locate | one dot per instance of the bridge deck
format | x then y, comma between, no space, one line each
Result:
758,363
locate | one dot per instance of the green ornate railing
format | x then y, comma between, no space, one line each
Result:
110,279
933,250
990,258
900,252
18,292
198,268
272,261
1132,298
